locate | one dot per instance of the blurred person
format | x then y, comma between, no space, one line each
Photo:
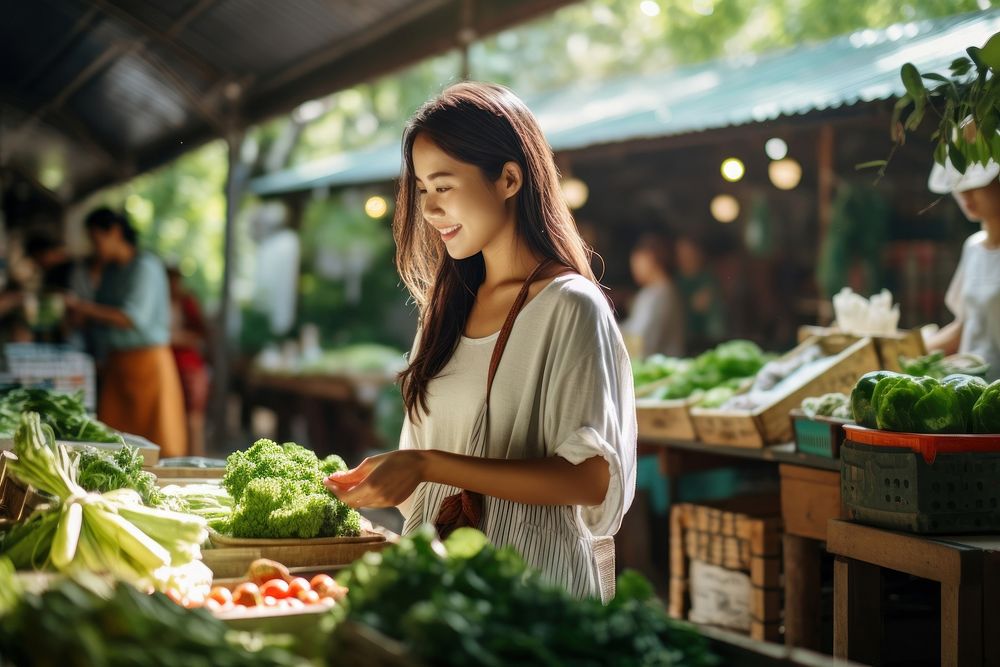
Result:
701,294
61,272
656,319
188,339
140,389
973,296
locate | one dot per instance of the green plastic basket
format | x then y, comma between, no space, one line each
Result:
819,436
896,488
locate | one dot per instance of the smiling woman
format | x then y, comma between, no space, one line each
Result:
520,411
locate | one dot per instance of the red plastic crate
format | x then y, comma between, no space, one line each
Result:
926,444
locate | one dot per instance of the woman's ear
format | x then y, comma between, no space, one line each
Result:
511,179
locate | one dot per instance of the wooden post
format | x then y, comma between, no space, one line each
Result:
857,611
235,181
802,591
826,179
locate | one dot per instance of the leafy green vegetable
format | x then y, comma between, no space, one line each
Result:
100,472
476,604
82,624
968,389
728,365
938,366
986,411
861,397
916,405
209,501
828,405
278,493
64,413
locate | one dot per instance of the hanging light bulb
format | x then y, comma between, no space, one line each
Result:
776,148
376,207
733,169
785,174
575,192
725,208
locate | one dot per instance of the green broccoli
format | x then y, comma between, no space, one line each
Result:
279,493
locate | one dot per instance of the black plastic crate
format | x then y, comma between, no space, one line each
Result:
895,488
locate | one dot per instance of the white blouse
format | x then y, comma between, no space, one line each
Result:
563,388
974,298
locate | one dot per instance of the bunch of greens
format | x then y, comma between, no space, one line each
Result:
735,360
834,405
90,623
278,493
938,366
656,367
957,404
986,411
100,472
468,603
111,532
64,413
209,501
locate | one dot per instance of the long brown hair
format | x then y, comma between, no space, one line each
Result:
485,125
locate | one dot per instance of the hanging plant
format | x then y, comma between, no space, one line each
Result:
966,106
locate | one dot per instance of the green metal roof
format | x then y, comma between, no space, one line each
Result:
860,67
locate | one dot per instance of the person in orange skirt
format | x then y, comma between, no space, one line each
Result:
140,388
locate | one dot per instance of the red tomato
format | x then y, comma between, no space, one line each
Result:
276,588
212,604
297,585
174,595
247,594
321,583
269,601
309,597
295,603
221,595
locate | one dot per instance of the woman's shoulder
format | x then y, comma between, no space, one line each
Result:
977,240
577,292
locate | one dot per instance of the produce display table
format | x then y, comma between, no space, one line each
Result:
337,409
810,496
967,567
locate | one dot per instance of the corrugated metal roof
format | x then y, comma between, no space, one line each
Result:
857,68
131,84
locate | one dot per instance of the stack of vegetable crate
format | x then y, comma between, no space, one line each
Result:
905,343
725,564
770,424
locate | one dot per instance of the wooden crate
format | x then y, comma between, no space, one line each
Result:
230,557
770,424
17,499
746,540
905,342
664,419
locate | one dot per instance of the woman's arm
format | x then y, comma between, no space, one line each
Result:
947,339
389,479
108,315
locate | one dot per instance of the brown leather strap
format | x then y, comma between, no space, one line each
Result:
508,325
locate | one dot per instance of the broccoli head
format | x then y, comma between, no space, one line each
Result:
272,508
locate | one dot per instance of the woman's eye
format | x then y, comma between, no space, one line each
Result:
442,189
421,192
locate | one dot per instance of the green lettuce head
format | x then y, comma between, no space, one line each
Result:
986,411
861,397
916,405
968,388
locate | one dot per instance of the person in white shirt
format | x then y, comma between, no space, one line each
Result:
520,407
974,294
656,319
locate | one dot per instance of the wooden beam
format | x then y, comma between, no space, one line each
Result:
168,39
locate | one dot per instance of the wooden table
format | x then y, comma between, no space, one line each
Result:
810,497
338,409
965,566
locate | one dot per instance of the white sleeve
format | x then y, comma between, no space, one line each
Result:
591,407
953,298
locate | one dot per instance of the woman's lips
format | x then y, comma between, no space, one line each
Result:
448,233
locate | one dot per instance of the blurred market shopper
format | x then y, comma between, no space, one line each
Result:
61,272
520,408
974,294
140,391
188,341
656,319
702,296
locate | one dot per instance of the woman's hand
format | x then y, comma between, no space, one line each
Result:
385,480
